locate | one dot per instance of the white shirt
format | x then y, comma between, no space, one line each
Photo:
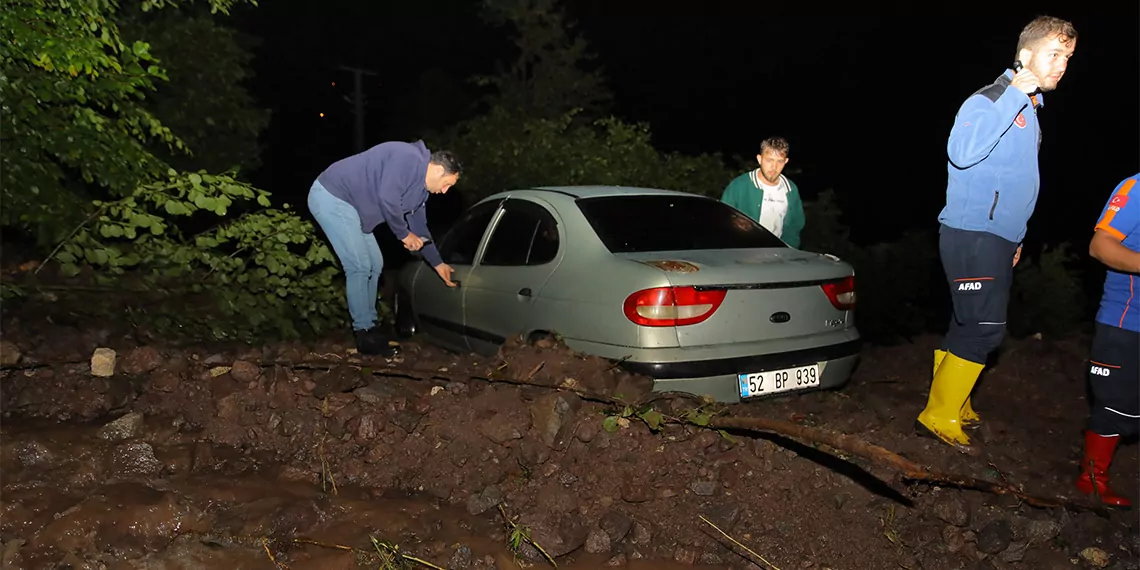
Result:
775,205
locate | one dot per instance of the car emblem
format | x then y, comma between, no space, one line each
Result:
780,317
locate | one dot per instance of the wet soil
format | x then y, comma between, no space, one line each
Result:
298,455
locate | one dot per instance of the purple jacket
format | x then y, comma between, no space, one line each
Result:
386,185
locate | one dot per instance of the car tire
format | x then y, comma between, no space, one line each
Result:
403,318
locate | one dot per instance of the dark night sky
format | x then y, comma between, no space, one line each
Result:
866,92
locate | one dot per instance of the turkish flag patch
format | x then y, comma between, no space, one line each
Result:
1118,201
1020,121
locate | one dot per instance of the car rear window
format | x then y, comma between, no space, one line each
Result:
629,224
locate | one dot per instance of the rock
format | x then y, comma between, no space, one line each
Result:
125,427
587,431
141,360
619,560
461,560
704,488
34,453
485,500
952,508
953,538
103,362
504,427
135,459
641,534
1095,556
165,380
553,418
245,371
684,555
365,427
1015,552
725,516
995,536
635,492
558,533
9,354
598,542
1041,531
616,524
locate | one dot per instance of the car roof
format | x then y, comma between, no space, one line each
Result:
597,191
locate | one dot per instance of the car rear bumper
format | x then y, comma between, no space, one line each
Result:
719,378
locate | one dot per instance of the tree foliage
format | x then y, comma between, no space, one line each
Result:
553,72
515,154
546,121
205,102
87,155
264,269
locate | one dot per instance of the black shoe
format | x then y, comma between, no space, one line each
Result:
373,342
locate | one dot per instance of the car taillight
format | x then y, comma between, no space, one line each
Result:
672,306
841,293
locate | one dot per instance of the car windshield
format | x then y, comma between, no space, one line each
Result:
665,222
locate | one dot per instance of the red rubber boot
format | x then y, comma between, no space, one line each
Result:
1094,469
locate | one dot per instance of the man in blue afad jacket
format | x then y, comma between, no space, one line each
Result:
990,195
1114,361
386,184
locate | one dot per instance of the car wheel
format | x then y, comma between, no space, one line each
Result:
404,319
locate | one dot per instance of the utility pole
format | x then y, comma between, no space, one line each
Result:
358,101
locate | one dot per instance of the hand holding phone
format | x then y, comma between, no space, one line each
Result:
1024,79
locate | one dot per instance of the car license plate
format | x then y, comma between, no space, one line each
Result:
775,381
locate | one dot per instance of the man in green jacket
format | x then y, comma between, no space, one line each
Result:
767,196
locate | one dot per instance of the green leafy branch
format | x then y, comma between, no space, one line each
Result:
655,420
263,266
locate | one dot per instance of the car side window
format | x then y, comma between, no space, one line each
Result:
545,245
459,245
527,234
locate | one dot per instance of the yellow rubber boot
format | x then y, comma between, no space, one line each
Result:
949,390
968,416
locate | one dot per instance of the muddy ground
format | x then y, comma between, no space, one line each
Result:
244,457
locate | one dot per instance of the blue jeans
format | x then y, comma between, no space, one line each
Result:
358,252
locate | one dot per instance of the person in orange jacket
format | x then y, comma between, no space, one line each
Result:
1114,361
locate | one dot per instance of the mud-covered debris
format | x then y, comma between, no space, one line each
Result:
245,371
598,542
485,500
9,353
952,508
461,559
995,536
125,427
135,458
1096,557
1015,552
617,561
142,360
554,417
103,362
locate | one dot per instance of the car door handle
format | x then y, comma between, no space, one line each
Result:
525,292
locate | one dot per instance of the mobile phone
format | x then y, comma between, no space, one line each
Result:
1017,66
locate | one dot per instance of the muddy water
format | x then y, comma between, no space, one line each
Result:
85,496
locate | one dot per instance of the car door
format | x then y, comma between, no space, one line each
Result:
438,307
501,291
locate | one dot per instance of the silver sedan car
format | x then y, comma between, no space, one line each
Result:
680,287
